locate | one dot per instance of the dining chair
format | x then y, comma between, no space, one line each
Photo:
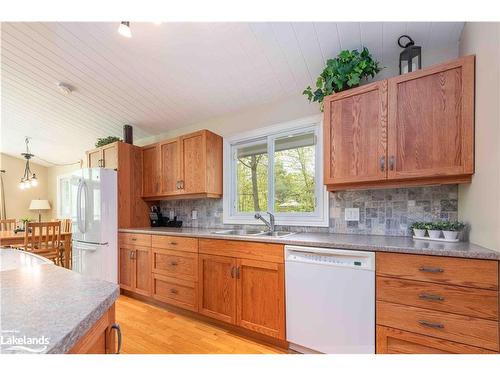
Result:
8,224
66,227
44,239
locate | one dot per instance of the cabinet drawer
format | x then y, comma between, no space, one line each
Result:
135,239
176,243
267,252
471,331
177,264
480,303
176,292
444,270
395,341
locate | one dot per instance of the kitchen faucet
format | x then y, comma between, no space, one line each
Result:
269,224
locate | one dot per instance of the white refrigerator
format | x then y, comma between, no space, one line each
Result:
95,223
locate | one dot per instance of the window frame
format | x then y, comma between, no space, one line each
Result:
320,217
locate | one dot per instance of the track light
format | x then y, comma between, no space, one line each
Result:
124,29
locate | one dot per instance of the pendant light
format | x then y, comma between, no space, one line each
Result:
124,29
29,178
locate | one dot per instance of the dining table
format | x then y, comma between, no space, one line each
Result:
11,238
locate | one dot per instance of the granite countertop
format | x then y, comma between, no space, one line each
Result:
394,244
51,307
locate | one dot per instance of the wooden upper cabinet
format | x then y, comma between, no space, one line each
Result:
104,157
110,156
431,121
94,158
170,174
355,130
260,297
150,170
193,155
413,129
190,165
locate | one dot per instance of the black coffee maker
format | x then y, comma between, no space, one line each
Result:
155,217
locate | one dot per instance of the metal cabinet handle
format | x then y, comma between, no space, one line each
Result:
174,291
430,324
173,243
103,163
116,327
382,163
392,162
181,184
237,272
232,272
174,263
177,185
431,269
430,297
130,255
134,239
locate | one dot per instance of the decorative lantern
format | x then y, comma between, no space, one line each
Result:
410,59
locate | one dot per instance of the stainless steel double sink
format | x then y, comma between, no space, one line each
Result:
252,232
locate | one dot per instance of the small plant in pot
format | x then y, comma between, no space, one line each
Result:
436,228
419,228
453,229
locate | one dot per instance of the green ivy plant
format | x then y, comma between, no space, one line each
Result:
106,141
342,73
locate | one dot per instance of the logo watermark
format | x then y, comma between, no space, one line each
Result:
11,342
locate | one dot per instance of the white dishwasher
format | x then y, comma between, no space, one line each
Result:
330,300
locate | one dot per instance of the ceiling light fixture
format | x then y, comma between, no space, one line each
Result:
124,29
29,178
64,88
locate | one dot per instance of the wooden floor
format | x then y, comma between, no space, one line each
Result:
148,329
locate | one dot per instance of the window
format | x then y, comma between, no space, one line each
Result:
279,170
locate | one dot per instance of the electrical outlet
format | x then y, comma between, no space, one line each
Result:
352,214
194,215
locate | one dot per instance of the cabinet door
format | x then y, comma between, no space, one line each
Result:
142,270
110,156
150,170
355,131
395,341
431,121
94,158
193,163
217,287
126,269
170,167
261,297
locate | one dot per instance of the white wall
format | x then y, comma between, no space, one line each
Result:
479,202
17,201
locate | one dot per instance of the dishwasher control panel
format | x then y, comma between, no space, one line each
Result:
333,257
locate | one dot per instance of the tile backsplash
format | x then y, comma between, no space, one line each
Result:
384,212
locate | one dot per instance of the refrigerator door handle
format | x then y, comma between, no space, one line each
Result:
83,207
79,206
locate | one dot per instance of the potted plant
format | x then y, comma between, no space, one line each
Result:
419,228
435,229
106,141
343,72
452,230
25,221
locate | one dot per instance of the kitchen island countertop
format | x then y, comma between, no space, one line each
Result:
45,308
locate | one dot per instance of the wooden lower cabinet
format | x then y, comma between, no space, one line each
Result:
135,268
434,304
260,300
396,341
100,338
217,287
177,292
245,292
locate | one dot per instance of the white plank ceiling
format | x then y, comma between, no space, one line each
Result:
170,75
